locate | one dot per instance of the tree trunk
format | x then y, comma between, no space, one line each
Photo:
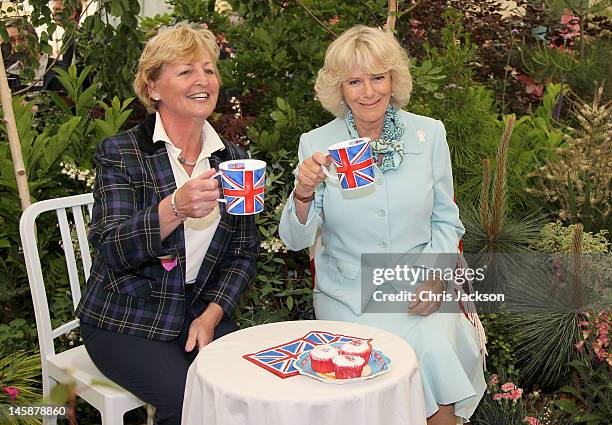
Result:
13,136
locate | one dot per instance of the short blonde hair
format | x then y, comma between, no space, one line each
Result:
374,51
180,43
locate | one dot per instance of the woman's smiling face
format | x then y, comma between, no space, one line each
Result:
367,95
187,89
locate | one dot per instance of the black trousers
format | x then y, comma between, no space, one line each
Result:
154,371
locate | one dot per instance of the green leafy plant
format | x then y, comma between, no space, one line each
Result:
590,403
19,382
578,180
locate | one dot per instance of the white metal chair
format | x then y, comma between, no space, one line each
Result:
73,365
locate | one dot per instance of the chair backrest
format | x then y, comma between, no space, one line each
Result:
75,221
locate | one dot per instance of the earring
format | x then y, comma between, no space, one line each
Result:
157,99
342,102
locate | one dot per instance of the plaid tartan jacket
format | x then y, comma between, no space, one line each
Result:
128,290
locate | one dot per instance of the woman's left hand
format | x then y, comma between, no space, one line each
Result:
430,300
202,329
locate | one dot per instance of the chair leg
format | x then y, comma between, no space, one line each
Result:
48,384
150,414
112,418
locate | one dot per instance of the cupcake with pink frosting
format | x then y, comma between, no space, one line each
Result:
347,366
357,347
321,358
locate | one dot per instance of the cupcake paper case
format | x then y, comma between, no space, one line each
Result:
347,366
321,358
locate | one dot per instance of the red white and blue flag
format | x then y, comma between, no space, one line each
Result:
244,191
279,359
354,165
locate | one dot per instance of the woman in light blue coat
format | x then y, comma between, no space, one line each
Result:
408,210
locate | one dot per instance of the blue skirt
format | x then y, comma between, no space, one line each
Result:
446,345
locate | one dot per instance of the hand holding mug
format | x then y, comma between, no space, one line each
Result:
311,173
198,197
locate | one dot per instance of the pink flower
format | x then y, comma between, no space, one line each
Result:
11,391
499,396
601,355
334,20
508,386
580,346
531,420
494,379
567,17
204,26
516,394
531,86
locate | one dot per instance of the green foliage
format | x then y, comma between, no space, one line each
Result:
426,81
500,344
578,180
557,238
534,139
591,401
545,345
112,48
465,107
21,371
457,52
18,334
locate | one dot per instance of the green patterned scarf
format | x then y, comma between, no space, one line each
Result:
388,151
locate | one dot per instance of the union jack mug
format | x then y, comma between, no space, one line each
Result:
244,185
353,162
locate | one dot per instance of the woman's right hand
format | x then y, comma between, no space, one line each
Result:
198,197
311,174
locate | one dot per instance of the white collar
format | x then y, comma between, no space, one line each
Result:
211,142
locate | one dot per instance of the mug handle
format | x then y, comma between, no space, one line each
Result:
217,174
327,172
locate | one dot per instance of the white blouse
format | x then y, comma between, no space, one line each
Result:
198,231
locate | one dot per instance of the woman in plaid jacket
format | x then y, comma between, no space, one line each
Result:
170,265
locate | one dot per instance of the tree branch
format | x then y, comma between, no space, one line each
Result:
323,24
369,9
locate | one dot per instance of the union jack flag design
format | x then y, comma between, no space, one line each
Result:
354,165
244,191
279,359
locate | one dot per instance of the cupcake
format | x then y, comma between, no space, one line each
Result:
347,367
321,358
357,347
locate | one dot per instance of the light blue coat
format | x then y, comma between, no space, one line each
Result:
408,210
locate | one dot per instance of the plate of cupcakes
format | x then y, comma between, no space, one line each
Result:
343,362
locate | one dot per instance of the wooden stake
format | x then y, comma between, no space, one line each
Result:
392,16
11,128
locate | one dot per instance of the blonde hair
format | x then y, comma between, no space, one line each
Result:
374,51
180,43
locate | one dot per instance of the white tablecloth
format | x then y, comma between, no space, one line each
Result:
223,388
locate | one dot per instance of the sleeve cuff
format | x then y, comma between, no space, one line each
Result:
159,248
293,215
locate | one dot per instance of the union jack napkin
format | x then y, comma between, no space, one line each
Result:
279,359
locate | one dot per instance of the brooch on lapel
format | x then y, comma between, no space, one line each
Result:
421,135
168,263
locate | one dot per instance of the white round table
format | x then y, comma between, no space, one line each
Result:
223,388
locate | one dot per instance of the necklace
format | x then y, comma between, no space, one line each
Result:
185,162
